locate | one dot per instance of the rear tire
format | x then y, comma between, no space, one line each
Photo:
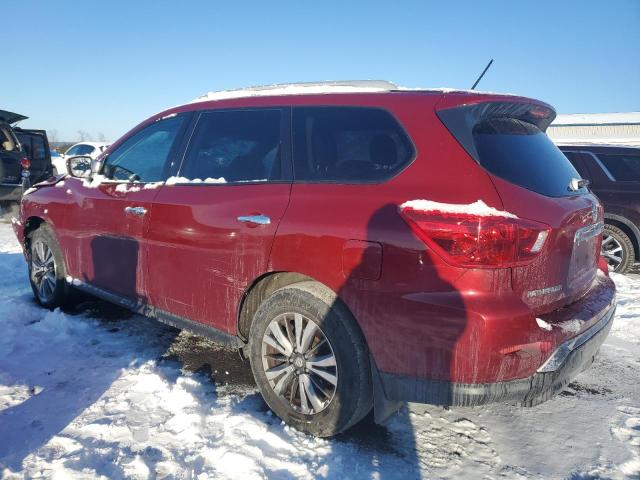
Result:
617,249
325,386
47,269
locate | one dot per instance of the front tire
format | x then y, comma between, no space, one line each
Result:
617,249
310,360
46,268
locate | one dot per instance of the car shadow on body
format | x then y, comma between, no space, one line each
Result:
59,388
428,335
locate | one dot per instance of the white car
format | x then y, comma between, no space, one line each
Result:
90,149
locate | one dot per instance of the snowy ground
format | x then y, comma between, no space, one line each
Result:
102,393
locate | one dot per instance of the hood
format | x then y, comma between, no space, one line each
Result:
10,117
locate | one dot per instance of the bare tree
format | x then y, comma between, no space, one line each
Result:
101,137
83,136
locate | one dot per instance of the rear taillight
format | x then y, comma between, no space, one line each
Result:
470,240
25,163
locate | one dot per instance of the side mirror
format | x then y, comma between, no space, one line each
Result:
79,166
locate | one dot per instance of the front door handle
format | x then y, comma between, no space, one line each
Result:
256,219
138,211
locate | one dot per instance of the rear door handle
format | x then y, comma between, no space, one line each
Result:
138,211
256,219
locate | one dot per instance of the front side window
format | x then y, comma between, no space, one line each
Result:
624,168
235,146
84,150
73,151
348,145
143,156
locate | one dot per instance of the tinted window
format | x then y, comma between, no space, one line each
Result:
347,144
73,151
624,168
84,150
520,153
33,146
142,156
238,145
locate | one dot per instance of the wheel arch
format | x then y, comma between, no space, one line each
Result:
260,289
628,227
31,224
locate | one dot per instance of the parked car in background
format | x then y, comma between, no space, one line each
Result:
22,151
362,244
614,173
58,163
89,149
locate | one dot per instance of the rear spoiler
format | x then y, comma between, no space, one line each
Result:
460,120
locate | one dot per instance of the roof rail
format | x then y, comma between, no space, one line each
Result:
338,86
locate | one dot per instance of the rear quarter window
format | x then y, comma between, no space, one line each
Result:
521,153
348,145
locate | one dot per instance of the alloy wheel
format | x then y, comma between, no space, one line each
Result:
612,251
299,363
43,270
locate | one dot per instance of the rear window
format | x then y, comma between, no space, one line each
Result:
520,153
348,145
624,168
33,146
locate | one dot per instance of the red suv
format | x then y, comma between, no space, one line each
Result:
363,245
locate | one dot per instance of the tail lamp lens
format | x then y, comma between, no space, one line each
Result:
469,240
25,163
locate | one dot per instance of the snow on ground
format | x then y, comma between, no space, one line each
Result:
100,393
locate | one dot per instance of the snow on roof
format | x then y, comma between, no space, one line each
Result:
311,88
356,86
597,118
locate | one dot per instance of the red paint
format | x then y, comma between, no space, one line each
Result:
420,314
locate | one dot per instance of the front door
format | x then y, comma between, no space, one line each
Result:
210,231
113,211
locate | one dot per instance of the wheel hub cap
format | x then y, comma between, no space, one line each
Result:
43,270
299,363
612,251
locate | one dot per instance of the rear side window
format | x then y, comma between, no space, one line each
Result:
235,145
520,153
348,145
624,168
143,156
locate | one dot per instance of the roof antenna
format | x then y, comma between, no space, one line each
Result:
482,74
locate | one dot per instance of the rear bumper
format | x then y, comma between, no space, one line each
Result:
9,192
567,361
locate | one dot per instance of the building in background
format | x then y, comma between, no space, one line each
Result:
610,128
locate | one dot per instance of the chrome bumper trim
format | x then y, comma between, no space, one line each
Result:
558,357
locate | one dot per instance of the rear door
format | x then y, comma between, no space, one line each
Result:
110,214
211,229
35,146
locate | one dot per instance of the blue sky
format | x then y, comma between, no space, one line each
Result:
102,67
